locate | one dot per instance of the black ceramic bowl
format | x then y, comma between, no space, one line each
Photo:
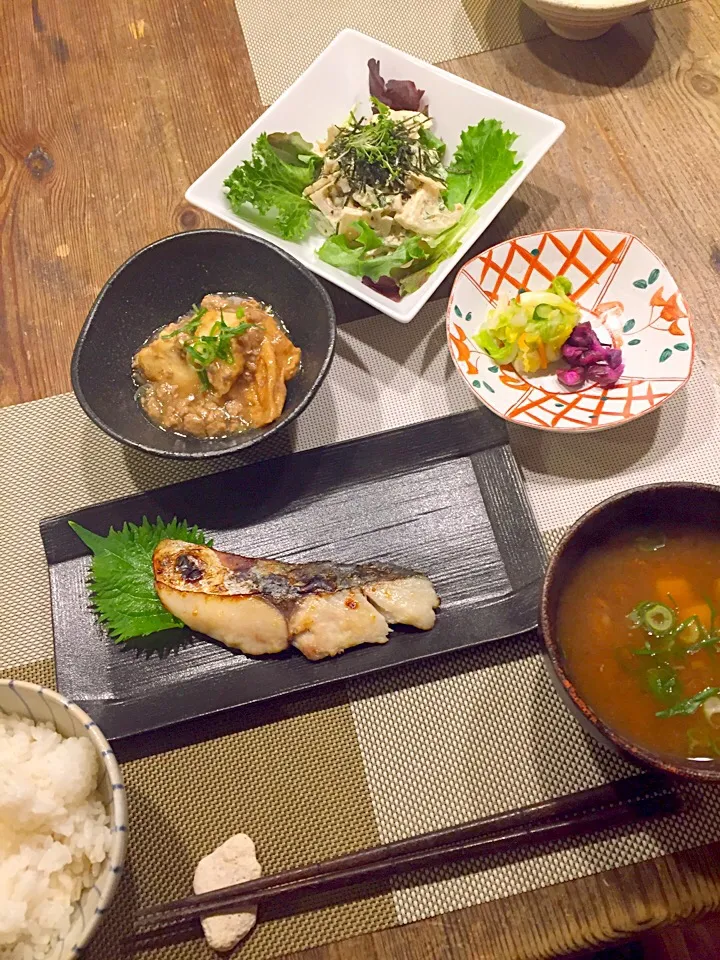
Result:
159,284
680,502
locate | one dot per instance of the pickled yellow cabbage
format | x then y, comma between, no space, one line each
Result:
529,330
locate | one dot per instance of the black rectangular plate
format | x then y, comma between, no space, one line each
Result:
444,497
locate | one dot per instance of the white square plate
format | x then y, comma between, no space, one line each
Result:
338,81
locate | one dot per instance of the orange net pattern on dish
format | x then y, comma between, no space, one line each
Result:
588,262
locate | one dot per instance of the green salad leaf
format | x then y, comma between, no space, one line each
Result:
292,148
268,189
122,587
358,257
482,163
272,182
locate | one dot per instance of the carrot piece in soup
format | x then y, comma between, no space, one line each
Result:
699,610
676,587
716,591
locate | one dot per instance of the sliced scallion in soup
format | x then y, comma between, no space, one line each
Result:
639,624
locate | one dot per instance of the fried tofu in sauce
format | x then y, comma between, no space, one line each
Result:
249,391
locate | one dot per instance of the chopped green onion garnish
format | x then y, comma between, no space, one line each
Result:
646,651
656,618
659,619
662,682
215,345
690,631
711,642
713,613
689,706
190,326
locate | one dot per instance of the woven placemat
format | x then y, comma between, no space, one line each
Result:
414,749
284,38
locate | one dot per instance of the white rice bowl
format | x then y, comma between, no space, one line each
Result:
62,824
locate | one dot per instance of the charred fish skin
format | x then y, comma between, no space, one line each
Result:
199,567
261,606
193,583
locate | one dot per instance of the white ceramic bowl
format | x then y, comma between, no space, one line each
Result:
585,19
328,90
621,287
46,706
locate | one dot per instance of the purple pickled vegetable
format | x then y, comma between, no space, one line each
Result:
594,355
386,286
583,356
583,336
584,348
396,94
572,354
572,378
604,375
589,359
614,358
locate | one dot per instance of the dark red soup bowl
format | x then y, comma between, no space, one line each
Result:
663,503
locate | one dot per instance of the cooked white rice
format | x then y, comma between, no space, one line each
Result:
54,834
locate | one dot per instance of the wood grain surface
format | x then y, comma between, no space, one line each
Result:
109,111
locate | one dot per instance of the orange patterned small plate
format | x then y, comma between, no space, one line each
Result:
620,286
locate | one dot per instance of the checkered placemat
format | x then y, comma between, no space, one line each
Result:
414,749
283,39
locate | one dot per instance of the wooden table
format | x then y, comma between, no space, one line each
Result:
109,111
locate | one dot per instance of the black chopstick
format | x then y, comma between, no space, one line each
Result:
589,811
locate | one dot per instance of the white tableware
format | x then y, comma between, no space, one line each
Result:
43,705
584,19
338,81
622,288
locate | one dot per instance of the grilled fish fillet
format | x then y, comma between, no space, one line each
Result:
325,625
263,606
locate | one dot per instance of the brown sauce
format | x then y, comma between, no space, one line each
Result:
245,388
